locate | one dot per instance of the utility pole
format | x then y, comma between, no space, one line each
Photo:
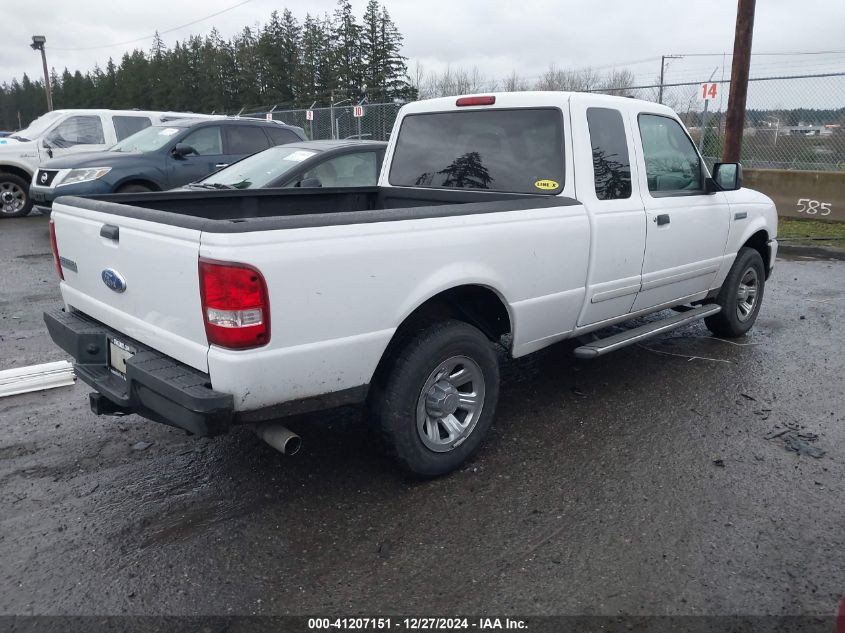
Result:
663,59
735,116
38,42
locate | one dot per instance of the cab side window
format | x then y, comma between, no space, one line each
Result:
77,130
671,162
207,141
611,166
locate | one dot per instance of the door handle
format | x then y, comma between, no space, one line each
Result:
221,165
662,219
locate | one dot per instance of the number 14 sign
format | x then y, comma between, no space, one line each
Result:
708,91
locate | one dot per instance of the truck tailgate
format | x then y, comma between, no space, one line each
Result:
154,263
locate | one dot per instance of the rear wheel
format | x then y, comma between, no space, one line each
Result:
740,296
435,398
14,196
134,188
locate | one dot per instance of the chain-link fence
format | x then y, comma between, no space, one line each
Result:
340,122
793,122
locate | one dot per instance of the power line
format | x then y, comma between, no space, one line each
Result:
769,54
147,37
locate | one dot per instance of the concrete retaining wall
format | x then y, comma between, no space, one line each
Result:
817,195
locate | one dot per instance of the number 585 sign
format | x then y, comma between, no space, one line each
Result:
708,91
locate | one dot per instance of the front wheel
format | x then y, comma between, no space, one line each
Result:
435,398
740,296
14,196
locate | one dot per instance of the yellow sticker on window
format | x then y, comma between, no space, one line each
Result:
547,185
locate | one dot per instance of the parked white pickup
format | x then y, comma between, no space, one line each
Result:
515,218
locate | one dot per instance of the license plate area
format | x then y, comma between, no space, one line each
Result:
119,353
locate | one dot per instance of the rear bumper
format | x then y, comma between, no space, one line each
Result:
156,386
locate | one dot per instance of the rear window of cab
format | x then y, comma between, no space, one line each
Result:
508,150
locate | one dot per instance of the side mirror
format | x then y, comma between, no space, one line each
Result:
728,176
48,147
310,182
180,150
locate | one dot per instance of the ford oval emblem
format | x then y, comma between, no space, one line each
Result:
114,280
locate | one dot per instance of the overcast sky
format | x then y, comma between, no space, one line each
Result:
496,36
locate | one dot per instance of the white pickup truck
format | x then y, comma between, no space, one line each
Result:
518,219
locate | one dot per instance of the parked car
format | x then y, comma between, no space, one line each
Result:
59,133
303,164
518,219
159,157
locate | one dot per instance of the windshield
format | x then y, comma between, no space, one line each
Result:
260,169
147,140
37,127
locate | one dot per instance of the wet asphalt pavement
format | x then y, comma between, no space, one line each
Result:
656,480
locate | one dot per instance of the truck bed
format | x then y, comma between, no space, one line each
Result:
240,211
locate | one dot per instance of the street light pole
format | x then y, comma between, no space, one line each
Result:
38,42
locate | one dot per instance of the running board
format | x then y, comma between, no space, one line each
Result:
644,332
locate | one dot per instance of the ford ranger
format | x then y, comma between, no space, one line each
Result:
512,219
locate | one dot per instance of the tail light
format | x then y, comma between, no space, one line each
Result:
476,101
55,247
235,304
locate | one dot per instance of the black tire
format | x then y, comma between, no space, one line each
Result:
134,188
731,322
396,396
15,201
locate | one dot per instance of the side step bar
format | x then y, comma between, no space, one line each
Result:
629,337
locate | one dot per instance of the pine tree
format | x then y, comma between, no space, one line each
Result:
372,51
396,84
347,52
283,62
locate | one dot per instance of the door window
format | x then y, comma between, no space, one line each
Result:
280,136
349,170
77,130
672,164
206,141
126,126
246,139
611,167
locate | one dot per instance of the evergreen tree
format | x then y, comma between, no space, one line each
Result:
395,72
348,62
284,62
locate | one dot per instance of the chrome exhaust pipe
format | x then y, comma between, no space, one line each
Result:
279,437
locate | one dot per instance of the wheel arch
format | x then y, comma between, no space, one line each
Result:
478,305
135,180
20,172
759,241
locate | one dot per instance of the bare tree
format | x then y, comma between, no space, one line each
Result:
617,82
515,83
418,79
556,78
